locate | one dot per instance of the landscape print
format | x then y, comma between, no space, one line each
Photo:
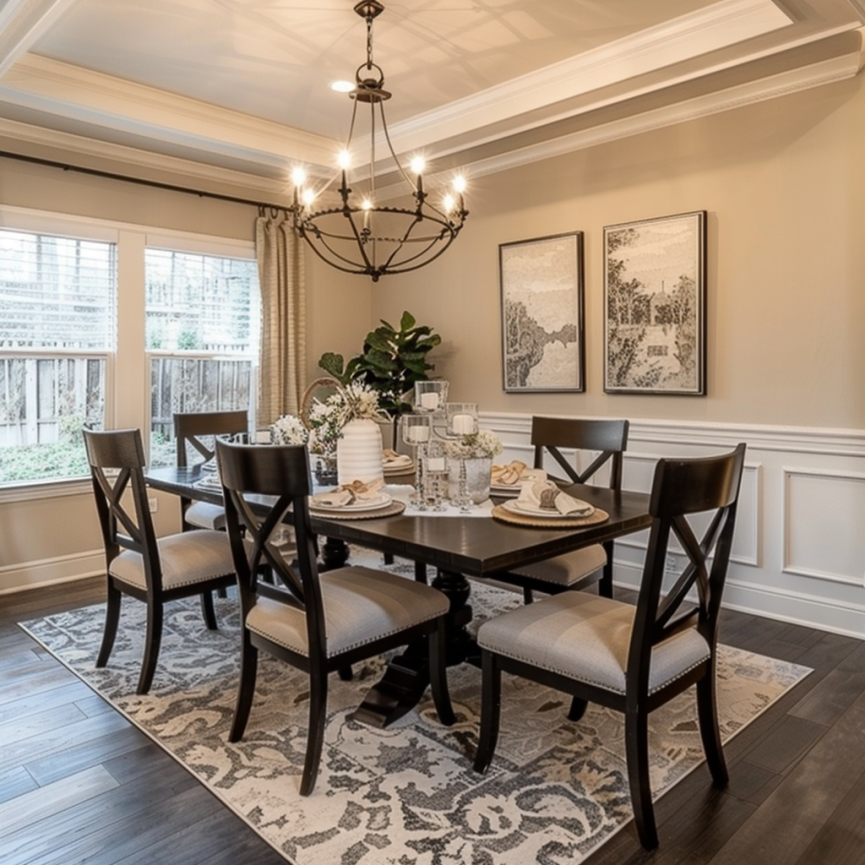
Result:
654,302
542,313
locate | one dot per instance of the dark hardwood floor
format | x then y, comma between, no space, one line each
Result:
78,783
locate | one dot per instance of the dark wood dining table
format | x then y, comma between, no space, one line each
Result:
457,547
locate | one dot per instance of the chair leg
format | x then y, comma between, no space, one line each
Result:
707,712
112,619
605,586
491,703
152,642
438,675
578,708
346,674
315,736
637,750
245,687
207,610
528,595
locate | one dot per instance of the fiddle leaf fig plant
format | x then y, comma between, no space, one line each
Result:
391,362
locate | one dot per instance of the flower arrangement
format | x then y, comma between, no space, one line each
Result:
354,401
483,443
288,430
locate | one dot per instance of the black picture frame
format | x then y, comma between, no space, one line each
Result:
543,326
655,306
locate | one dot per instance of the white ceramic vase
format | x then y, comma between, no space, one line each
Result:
358,452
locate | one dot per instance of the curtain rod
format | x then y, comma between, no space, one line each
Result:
95,172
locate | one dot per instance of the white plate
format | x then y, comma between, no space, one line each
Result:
525,508
378,501
506,489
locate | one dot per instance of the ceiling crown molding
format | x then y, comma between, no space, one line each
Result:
690,36
22,22
42,84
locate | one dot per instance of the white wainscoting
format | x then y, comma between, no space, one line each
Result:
799,551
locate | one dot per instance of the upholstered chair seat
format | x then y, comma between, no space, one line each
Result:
204,515
586,637
568,570
361,605
187,558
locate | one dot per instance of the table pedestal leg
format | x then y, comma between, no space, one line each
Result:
407,675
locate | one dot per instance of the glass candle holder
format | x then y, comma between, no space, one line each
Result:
430,395
416,430
462,418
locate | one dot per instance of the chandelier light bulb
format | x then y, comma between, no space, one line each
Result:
418,164
448,203
308,197
366,204
343,159
459,184
342,86
298,176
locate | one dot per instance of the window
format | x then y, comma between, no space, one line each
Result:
202,329
57,338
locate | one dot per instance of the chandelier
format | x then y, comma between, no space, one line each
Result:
360,234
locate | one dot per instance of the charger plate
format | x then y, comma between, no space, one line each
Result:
390,510
504,515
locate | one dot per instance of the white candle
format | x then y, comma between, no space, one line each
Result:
418,434
463,424
429,400
436,464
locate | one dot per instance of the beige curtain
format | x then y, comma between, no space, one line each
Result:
282,369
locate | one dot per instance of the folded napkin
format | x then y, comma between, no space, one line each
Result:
390,458
349,494
515,472
545,495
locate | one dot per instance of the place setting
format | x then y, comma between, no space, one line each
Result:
542,503
357,500
507,480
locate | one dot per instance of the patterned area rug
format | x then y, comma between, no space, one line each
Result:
406,795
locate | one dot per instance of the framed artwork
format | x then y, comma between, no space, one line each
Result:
543,346
655,306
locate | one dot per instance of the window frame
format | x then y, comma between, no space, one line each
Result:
131,241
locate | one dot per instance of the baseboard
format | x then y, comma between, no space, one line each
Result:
51,572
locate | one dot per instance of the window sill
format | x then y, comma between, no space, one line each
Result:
25,492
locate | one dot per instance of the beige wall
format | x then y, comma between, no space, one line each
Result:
784,186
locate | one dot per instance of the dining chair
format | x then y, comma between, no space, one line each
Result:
318,622
153,570
581,568
195,431
630,658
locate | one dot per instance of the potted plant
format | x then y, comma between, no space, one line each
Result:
391,362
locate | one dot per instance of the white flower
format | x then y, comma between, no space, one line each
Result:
483,443
288,430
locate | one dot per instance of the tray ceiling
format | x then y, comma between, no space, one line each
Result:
236,91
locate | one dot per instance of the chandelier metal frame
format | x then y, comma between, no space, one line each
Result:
358,235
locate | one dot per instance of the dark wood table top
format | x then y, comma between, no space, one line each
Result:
474,546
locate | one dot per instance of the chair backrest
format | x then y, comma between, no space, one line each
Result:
117,462
683,487
191,427
280,472
610,437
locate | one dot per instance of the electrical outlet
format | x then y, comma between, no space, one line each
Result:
153,504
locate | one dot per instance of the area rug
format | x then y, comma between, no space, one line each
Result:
406,795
